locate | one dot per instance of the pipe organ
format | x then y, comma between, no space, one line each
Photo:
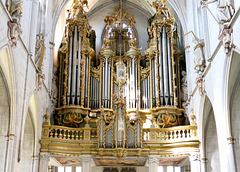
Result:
119,91
162,61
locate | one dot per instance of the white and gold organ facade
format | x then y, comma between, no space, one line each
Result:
119,105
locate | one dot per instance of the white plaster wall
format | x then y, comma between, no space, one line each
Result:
4,121
211,145
28,146
234,96
25,20
235,114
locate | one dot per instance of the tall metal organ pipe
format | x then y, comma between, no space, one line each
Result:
165,66
160,68
69,69
170,72
73,80
79,69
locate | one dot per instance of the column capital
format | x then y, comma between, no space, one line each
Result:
86,158
195,156
231,140
35,157
204,160
153,159
45,156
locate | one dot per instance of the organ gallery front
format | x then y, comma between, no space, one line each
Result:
120,106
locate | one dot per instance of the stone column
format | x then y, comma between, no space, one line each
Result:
73,169
203,164
153,161
164,168
141,169
35,163
10,139
97,169
86,163
43,163
195,162
231,159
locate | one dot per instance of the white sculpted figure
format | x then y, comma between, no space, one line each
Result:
184,90
225,10
199,60
39,50
14,28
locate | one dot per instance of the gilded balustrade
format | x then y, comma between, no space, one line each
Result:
56,132
79,141
180,133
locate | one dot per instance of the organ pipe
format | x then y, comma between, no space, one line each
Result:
74,66
79,69
170,72
165,66
160,69
69,70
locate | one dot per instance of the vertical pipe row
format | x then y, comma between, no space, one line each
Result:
170,71
91,93
61,78
98,95
136,84
156,87
106,83
86,81
130,84
101,135
138,135
109,86
154,84
160,68
165,66
146,95
133,83
69,70
79,69
103,86
73,80
148,92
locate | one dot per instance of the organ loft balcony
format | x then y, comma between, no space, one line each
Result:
120,104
